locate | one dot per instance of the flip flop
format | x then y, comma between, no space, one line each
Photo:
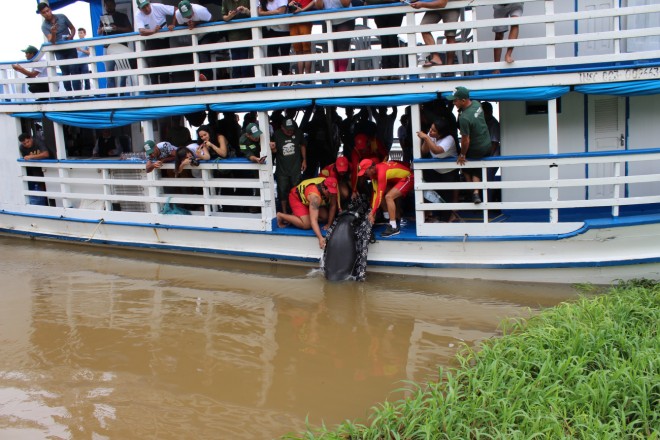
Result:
431,63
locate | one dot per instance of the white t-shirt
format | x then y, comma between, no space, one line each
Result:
449,146
200,13
274,5
156,18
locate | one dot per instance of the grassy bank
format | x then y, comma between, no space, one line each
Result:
585,370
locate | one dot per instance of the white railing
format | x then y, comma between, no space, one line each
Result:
123,190
97,189
556,46
618,186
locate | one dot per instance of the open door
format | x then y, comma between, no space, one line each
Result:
607,127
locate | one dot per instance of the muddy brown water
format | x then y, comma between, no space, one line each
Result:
107,344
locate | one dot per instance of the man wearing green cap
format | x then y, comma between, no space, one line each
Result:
158,154
249,144
149,20
475,138
30,53
190,15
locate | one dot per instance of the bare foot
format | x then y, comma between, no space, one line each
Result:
280,222
509,58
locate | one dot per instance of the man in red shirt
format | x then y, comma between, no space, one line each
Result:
391,181
312,200
340,170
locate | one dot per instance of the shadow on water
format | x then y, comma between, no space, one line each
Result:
123,344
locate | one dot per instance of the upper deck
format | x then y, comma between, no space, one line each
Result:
560,44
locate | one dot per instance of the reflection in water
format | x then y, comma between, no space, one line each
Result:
99,344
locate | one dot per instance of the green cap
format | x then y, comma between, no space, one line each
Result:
149,147
142,3
186,9
30,49
460,93
253,130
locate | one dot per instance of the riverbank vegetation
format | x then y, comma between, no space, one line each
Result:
584,370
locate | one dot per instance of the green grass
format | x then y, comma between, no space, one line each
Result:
584,370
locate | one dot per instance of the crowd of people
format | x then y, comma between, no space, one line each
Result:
323,162
153,17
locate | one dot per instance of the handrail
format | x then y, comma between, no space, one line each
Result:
409,30
97,180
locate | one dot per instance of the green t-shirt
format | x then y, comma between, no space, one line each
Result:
249,147
288,158
472,123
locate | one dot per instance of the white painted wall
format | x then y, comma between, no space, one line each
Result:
528,31
643,132
527,134
12,186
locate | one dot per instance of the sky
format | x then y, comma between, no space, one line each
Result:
24,27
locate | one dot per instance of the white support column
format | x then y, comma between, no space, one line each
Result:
258,52
415,123
63,173
153,191
412,42
266,177
553,148
331,46
550,29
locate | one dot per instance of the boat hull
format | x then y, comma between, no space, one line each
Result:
599,255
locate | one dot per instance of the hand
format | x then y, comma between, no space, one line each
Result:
421,134
322,243
416,5
170,27
461,160
304,165
262,160
158,164
372,217
191,25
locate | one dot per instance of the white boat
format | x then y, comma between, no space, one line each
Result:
580,163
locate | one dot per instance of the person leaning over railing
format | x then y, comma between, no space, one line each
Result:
339,25
158,154
37,72
58,28
33,149
440,144
149,20
190,15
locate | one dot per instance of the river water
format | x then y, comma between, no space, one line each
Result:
107,344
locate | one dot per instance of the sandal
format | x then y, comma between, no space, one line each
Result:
430,62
